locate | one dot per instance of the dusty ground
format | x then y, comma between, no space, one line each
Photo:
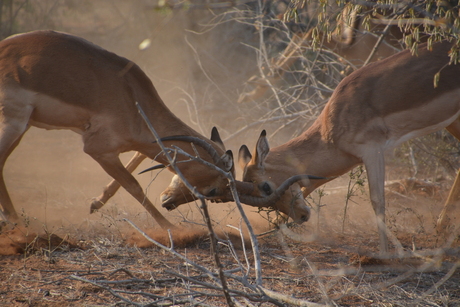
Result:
339,269
65,256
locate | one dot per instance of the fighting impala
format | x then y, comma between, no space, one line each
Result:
53,80
374,109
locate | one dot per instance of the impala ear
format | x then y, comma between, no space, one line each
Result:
244,156
227,160
215,137
262,149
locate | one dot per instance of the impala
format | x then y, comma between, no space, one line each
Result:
53,80
57,81
374,109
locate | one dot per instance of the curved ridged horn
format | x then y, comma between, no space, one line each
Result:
159,166
276,195
242,188
200,142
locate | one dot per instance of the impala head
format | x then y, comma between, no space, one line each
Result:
268,178
177,193
208,182
214,186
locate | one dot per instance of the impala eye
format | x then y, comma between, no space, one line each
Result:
213,192
266,188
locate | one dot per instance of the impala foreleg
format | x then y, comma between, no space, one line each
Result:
113,166
375,167
446,224
447,220
113,186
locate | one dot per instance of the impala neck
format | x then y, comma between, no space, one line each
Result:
175,128
161,118
310,153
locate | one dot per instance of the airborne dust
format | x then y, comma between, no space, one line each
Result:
198,71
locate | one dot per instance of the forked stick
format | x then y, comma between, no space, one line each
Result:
204,207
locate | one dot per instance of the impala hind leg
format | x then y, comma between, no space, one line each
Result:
111,163
375,168
113,186
448,219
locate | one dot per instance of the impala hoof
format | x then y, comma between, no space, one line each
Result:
95,205
3,224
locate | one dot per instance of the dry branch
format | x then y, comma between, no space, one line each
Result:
105,288
288,299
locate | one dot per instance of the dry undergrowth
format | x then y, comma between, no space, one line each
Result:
123,270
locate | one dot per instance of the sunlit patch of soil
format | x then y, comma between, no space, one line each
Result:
183,237
20,240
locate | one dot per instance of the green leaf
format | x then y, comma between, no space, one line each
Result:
436,79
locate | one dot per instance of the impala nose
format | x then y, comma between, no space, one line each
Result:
167,202
303,215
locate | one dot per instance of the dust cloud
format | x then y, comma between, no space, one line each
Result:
52,182
49,177
198,71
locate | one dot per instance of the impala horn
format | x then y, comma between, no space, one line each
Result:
225,162
242,188
155,167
